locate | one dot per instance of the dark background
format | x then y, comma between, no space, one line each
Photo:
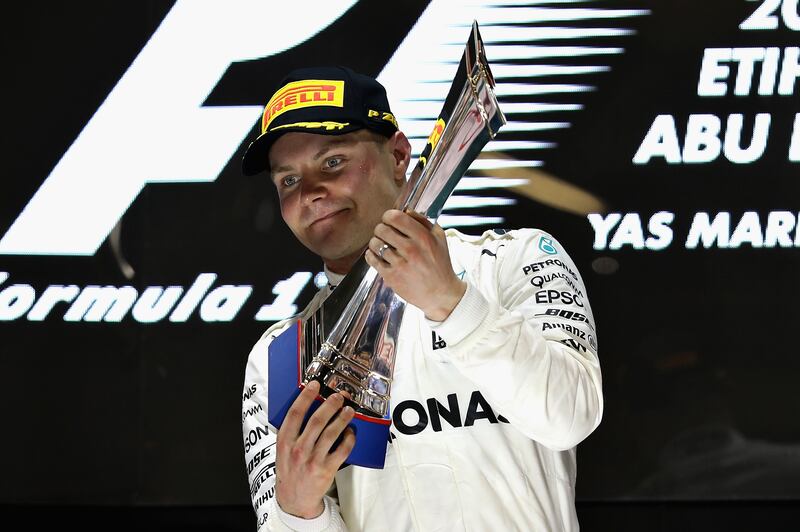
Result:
137,426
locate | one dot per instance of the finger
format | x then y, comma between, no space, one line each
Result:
383,252
390,256
410,227
290,429
375,261
393,219
332,432
421,218
375,245
318,420
391,236
337,457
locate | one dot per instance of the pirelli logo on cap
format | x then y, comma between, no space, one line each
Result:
305,93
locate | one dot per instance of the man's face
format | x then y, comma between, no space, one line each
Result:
333,189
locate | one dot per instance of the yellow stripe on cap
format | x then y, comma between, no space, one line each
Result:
305,93
328,125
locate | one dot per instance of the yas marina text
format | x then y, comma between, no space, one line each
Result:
706,230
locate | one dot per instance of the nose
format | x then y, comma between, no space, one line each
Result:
314,187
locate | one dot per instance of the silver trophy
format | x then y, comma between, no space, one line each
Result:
349,344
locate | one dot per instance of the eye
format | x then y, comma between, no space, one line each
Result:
333,162
289,180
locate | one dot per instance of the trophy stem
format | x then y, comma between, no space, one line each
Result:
359,322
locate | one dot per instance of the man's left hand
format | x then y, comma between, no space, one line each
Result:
415,263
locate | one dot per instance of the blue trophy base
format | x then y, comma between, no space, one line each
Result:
285,382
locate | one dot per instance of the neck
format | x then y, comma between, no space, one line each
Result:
343,265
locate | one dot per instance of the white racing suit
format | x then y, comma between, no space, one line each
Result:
487,406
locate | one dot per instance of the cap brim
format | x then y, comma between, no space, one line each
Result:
256,157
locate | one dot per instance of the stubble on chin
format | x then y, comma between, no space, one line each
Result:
340,257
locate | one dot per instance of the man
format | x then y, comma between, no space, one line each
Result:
497,377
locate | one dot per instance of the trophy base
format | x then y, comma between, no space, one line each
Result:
285,382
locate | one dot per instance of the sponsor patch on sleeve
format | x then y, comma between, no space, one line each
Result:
546,245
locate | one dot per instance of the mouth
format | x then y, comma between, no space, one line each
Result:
326,217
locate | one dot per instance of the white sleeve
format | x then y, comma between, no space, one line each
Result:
260,451
525,335
328,521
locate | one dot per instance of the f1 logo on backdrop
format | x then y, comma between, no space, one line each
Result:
152,127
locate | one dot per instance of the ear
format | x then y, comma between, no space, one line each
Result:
400,148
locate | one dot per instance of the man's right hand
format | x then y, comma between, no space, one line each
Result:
305,464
